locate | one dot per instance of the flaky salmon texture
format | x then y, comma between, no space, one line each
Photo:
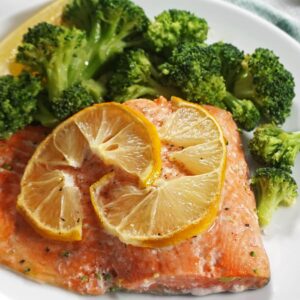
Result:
228,257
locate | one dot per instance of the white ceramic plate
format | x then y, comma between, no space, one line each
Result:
282,238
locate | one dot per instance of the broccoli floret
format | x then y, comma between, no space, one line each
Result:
231,59
18,102
273,146
57,53
111,26
60,56
197,71
74,99
81,14
174,27
273,187
244,112
266,82
136,76
77,97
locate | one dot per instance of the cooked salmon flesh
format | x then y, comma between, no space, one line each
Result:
229,256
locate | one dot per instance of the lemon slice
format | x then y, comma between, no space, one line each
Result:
117,134
201,158
50,202
189,125
170,210
122,137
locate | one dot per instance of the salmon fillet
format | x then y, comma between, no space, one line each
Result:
228,257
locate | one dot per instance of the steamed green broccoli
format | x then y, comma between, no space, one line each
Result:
231,59
69,60
243,112
266,82
44,114
135,76
273,146
56,53
174,27
197,71
110,25
60,56
18,102
273,187
74,99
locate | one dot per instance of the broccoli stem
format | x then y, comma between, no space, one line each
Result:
269,198
268,205
65,71
55,86
136,91
243,87
160,90
100,56
152,90
231,102
273,187
244,112
110,44
44,116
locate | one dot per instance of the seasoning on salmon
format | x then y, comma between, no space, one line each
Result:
227,257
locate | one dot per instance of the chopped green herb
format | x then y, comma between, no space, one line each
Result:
7,167
107,276
252,253
65,253
27,270
113,289
227,279
84,278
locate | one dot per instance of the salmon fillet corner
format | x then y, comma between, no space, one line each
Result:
228,257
